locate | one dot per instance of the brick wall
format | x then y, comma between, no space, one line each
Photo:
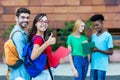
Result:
59,11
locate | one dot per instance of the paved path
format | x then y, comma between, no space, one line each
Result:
63,72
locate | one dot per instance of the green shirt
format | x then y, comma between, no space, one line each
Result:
76,44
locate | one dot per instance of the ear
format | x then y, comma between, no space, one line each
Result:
16,18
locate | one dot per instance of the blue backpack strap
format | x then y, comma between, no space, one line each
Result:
37,37
28,45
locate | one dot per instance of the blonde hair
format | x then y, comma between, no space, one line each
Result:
77,26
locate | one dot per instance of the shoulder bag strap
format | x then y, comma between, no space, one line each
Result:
50,70
12,37
14,33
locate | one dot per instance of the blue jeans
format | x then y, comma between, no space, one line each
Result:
97,74
81,64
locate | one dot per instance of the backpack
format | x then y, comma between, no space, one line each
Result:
33,67
11,55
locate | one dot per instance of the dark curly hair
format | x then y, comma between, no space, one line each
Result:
97,17
22,10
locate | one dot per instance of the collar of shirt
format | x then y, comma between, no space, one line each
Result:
19,28
22,30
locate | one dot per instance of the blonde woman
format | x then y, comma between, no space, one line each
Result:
78,60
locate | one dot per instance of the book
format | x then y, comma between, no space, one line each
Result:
86,47
61,52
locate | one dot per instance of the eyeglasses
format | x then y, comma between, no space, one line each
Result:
41,21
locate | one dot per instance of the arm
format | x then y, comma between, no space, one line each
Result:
109,44
72,64
109,51
37,49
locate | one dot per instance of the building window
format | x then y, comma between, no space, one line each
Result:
115,33
111,2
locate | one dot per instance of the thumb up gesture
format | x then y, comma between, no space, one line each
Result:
51,40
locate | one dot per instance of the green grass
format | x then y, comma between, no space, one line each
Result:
117,47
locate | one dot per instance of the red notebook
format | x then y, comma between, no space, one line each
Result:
61,52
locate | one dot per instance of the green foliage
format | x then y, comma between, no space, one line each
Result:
7,31
57,45
116,47
88,24
47,32
64,32
1,54
67,29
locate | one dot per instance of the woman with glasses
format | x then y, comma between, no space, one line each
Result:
39,26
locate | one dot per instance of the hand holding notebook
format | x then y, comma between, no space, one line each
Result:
60,53
87,46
